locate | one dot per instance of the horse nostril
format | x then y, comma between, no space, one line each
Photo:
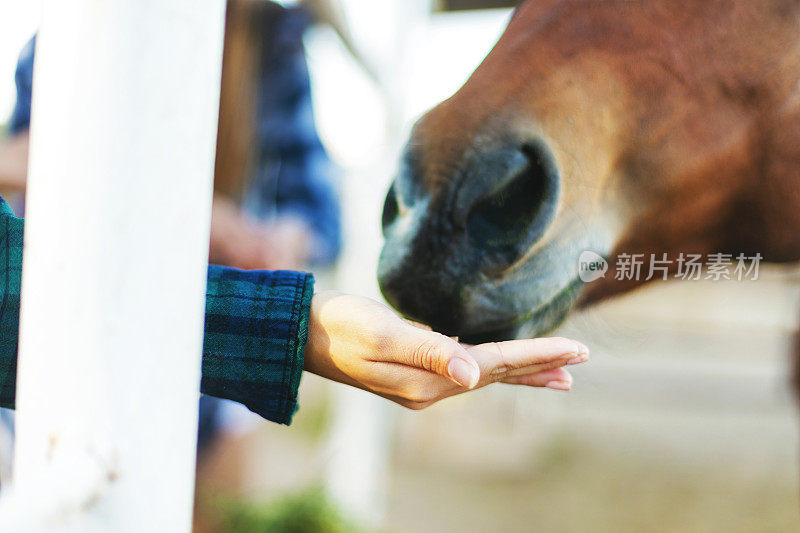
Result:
508,220
390,209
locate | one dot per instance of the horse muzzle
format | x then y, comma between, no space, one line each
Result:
469,256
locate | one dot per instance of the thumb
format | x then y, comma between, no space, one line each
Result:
442,355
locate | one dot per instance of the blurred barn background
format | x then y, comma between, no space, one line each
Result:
683,421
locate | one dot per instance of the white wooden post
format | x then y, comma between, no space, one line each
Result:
125,111
360,439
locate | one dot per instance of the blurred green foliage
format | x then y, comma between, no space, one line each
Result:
306,512
312,420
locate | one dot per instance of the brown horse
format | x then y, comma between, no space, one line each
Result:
653,126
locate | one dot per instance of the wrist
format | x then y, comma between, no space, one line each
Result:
314,337
317,350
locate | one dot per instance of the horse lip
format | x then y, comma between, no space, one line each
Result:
550,313
494,335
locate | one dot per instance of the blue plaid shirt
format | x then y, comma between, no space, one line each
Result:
293,175
255,330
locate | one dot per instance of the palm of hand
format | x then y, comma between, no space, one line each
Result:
360,342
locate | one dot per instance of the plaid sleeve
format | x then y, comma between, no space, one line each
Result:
255,335
10,282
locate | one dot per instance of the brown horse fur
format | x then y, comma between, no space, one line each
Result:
674,127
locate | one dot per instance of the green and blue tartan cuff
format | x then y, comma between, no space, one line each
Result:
255,335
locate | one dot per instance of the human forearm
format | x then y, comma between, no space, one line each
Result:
255,330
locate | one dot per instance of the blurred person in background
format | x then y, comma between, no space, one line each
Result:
275,204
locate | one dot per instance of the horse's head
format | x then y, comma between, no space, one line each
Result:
600,126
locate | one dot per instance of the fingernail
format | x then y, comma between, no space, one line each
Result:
559,385
463,372
578,360
582,348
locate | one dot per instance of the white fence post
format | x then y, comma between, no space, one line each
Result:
125,110
360,439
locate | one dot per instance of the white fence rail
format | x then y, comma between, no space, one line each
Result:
123,134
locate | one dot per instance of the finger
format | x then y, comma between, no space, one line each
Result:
504,359
541,367
556,379
431,351
446,357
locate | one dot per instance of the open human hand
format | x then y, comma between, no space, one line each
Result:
361,342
